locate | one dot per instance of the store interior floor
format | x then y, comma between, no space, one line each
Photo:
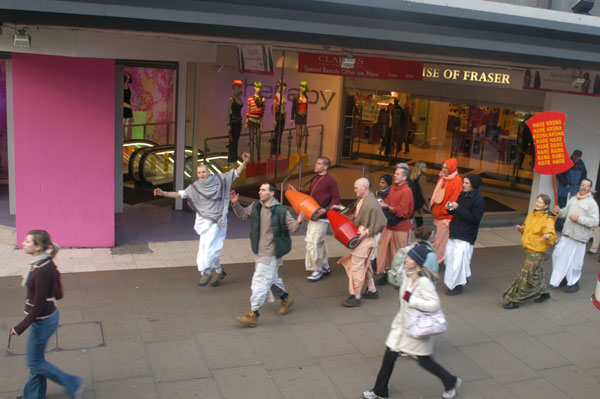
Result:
494,174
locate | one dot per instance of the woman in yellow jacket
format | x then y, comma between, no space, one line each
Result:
538,234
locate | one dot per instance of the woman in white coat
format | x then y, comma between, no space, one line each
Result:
417,291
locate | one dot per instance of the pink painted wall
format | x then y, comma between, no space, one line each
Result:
64,115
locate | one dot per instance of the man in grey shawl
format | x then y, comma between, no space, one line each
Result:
209,197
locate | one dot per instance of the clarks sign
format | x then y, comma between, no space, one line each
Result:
364,67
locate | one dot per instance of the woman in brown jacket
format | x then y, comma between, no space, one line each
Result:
42,280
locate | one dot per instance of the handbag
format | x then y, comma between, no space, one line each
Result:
419,324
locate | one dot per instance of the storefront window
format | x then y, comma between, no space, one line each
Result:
385,128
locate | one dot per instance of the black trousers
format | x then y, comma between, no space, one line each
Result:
419,221
427,362
277,136
234,136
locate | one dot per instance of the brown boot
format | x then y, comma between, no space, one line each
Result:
204,279
217,278
285,305
249,320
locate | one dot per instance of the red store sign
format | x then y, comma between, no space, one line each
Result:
364,67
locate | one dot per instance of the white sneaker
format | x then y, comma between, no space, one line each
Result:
315,276
325,270
452,392
372,395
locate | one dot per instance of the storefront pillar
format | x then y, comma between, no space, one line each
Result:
180,127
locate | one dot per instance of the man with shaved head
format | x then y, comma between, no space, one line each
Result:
369,220
398,208
209,197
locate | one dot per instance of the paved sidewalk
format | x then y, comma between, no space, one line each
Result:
183,253
162,336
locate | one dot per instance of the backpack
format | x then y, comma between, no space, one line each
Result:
418,199
396,273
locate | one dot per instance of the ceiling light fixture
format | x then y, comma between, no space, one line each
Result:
21,38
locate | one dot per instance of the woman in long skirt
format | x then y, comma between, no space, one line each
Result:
538,234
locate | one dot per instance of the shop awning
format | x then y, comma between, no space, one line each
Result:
491,32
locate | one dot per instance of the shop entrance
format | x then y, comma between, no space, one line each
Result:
382,129
6,219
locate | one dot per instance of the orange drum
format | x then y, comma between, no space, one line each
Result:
596,296
344,230
303,203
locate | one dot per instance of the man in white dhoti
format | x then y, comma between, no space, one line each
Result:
581,216
464,226
209,197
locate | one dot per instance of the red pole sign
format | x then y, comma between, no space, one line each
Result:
548,131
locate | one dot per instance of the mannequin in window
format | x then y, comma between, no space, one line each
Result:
255,112
234,110
299,112
279,115
127,111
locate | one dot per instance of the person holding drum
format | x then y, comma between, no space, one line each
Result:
324,189
367,215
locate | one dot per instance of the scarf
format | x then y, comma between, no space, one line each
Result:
440,188
210,197
34,262
583,196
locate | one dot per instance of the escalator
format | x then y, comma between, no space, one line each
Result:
154,166
129,147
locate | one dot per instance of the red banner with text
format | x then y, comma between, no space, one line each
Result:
364,67
548,131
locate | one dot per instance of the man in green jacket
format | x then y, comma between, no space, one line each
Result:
270,226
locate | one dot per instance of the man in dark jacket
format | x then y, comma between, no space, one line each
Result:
468,211
270,224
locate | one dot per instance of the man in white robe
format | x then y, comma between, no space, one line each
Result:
581,216
209,197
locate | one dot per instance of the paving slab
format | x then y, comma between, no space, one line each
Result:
278,349
226,349
504,368
120,358
176,360
531,351
323,339
165,337
537,388
573,382
577,351
204,388
305,382
134,388
251,382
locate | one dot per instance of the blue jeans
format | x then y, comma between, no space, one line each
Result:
39,334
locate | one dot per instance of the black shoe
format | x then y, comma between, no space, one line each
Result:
456,291
563,282
572,288
351,302
542,298
370,295
511,305
590,252
383,280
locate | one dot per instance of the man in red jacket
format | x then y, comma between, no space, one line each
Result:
398,208
324,189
